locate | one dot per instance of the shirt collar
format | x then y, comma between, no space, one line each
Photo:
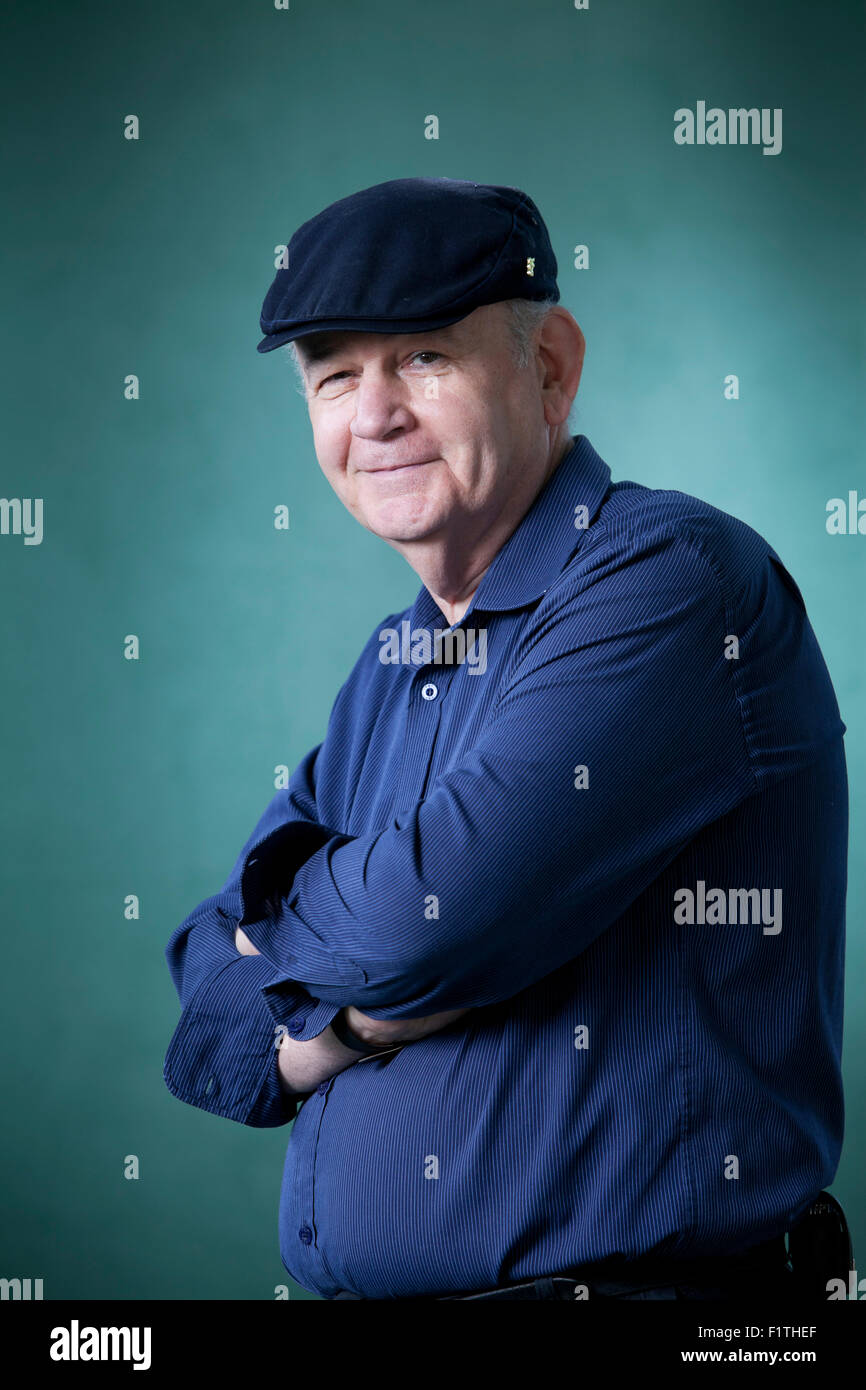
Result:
543,541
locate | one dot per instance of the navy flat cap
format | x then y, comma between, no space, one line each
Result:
408,255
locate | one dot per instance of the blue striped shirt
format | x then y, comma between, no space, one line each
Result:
615,829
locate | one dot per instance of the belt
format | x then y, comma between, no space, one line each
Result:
650,1277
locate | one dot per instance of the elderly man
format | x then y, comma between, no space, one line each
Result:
548,930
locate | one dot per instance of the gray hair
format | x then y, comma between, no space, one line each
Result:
524,320
526,317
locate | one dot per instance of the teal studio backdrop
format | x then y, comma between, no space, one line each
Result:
150,257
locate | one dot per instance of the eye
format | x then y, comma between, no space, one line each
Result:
421,352
426,352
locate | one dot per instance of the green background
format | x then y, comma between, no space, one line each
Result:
152,257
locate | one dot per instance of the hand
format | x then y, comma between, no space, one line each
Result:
244,945
388,1030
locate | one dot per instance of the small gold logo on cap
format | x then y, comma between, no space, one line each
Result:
530,265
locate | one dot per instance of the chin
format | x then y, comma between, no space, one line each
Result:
399,534
403,520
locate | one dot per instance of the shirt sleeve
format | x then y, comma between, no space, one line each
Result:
223,1055
616,739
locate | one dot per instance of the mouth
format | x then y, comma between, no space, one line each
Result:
398,467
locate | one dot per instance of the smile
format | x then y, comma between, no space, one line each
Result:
397,467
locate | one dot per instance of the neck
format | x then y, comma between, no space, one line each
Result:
452,568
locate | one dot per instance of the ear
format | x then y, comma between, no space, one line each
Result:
561,347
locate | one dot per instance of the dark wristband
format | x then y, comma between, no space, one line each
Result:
344,1034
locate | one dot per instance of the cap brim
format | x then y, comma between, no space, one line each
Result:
302,330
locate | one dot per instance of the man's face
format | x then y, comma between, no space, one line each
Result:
421,434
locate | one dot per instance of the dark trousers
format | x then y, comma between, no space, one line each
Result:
761,1274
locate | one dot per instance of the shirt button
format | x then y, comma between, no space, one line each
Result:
297,1025
429,691
322,1087
305,1234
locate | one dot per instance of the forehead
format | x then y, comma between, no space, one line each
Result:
314,348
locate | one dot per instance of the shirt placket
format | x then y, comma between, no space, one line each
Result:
423,717
305,1176
308,1233
428,687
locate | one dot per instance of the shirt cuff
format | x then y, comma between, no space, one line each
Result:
294,1011
223,1056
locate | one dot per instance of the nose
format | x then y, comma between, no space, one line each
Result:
380,406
